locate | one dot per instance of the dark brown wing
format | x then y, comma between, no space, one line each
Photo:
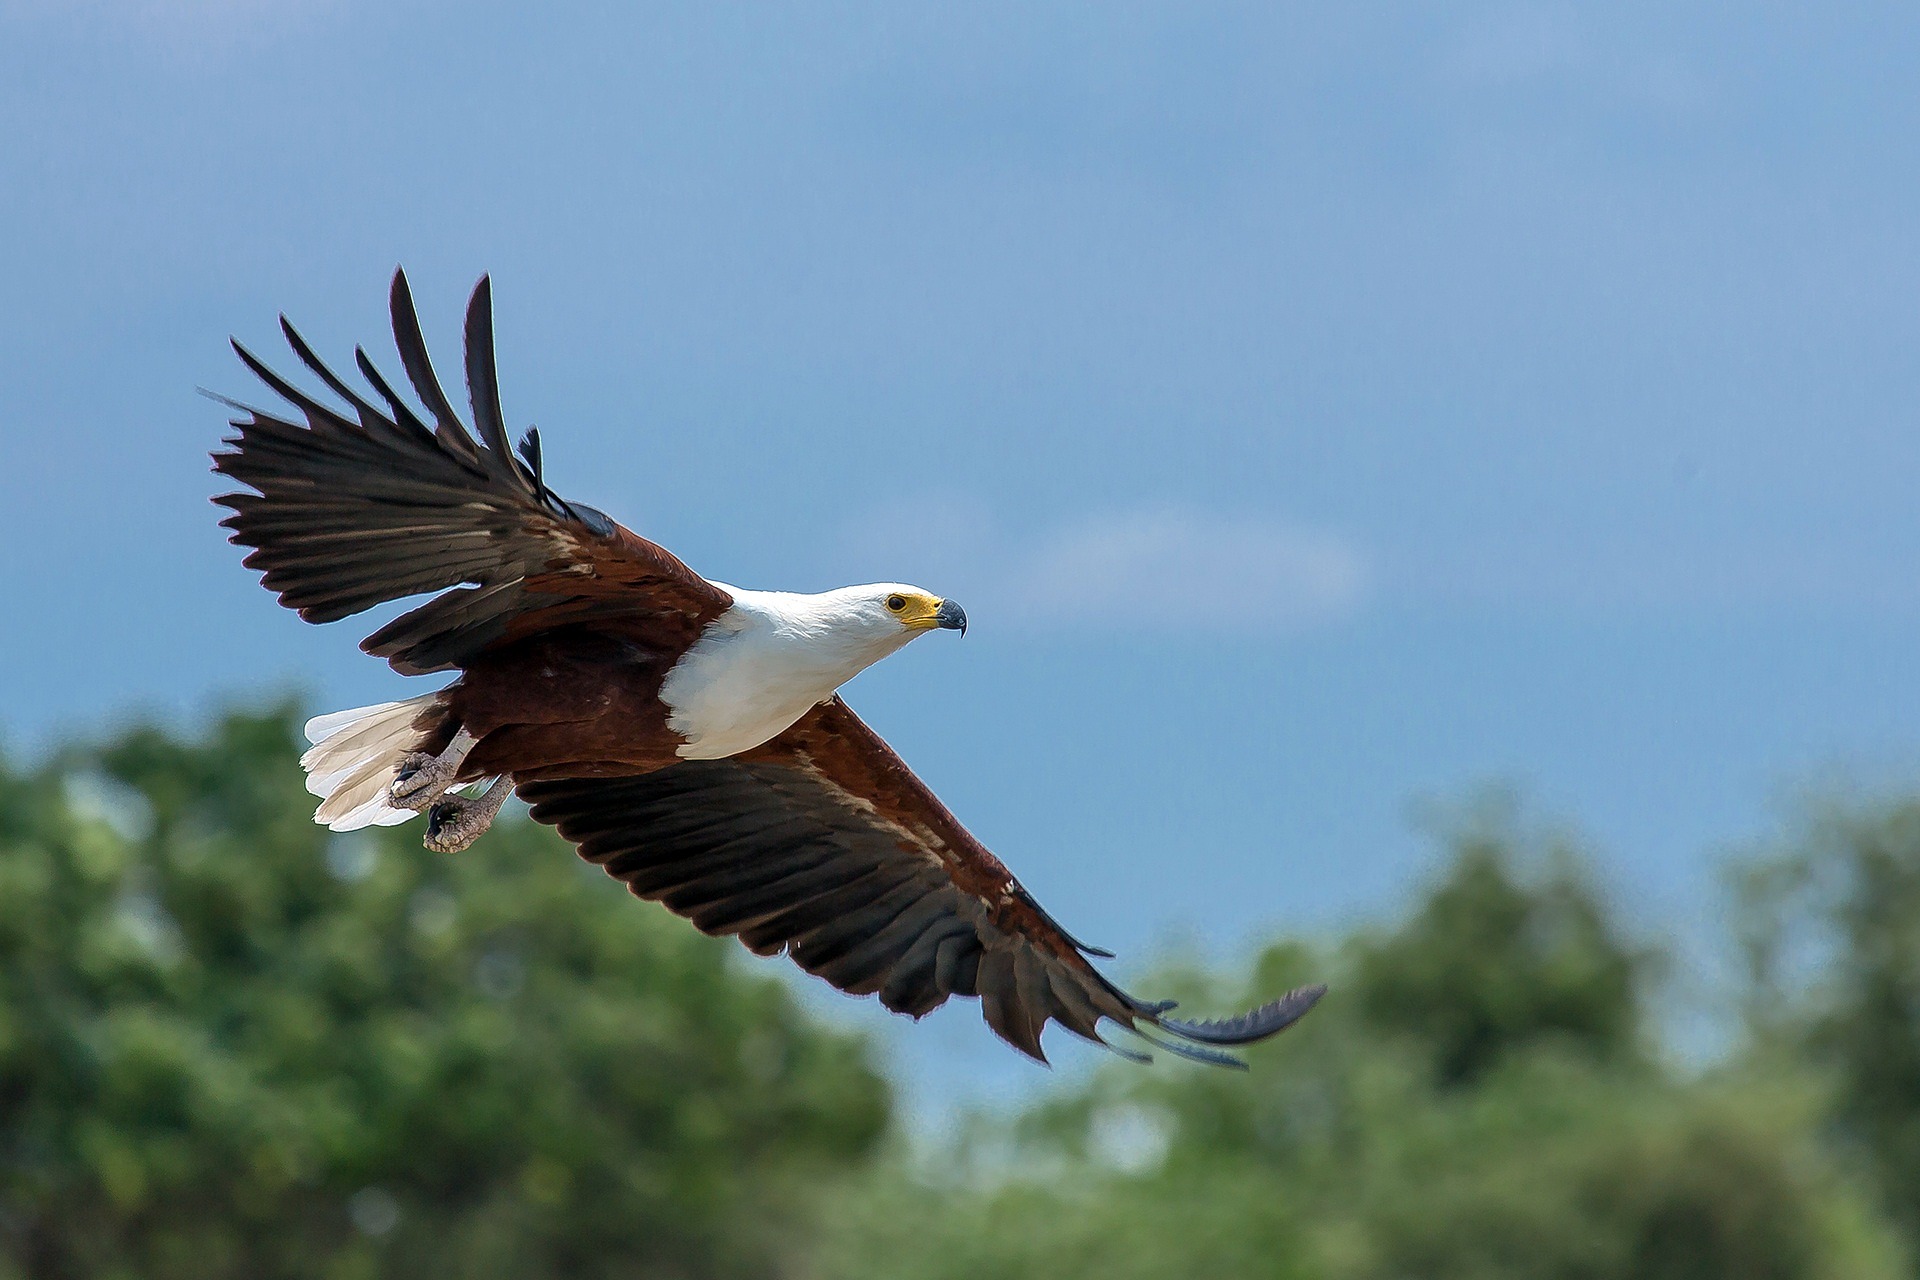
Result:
824,844
360,506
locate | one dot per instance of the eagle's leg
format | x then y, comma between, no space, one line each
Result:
424,778
454,822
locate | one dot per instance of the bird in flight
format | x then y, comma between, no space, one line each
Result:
684,734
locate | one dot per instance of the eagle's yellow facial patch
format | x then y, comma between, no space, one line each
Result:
915,609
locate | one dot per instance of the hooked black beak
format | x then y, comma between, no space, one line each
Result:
950,617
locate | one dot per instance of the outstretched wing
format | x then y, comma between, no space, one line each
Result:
368,504
824,844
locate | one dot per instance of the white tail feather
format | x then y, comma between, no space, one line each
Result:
354,758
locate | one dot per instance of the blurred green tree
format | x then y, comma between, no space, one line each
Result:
1831,933
1514,946
233,1044
1870,1026
1477,1098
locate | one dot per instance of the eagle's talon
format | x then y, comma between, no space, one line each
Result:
413,783
423,778
455,822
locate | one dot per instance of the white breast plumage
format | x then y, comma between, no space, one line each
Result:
762,665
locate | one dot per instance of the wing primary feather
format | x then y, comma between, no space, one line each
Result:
1131,1055
1072,1008
369,416
1000,1002
403,415
1036,994
530,450
412,345
1193,1052
1268,1020
236,406
293,395
483,387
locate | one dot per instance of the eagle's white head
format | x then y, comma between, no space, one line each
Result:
763,663
881,612
848,630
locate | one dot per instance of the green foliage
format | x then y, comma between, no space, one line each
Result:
1489,965
1832,931
232,1044
1871,1030
1554,1170
1474,1100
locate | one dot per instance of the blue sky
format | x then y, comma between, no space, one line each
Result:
1322,411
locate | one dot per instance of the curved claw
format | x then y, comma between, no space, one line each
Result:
454,822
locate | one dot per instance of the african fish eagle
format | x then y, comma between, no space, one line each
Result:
684,734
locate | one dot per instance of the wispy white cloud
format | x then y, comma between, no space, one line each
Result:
1170,567
1154,569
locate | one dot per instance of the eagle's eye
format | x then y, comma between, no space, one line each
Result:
896,603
